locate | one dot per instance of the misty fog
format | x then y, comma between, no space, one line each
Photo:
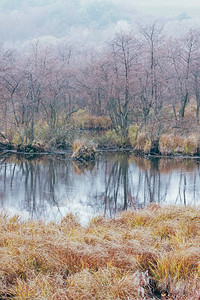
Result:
88,21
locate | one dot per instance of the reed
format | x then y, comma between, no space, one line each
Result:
135,255
174,144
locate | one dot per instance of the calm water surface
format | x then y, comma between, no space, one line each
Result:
49,187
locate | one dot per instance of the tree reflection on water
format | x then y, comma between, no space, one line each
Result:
48,187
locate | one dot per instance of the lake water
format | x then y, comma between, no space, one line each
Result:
48,187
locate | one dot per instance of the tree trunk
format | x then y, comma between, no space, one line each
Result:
183,105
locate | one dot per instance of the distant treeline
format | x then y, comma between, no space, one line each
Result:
146,78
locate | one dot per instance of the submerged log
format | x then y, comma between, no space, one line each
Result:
84,153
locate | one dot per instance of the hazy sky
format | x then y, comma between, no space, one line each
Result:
163,7
27,19
181,3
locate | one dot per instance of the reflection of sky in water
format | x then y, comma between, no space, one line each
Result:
50,188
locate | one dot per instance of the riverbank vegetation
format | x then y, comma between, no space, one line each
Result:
142,254
141,91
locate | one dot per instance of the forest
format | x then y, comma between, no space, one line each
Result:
141,89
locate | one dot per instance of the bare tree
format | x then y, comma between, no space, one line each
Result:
122,58
91,84
151,78
195,70
181,54
12,83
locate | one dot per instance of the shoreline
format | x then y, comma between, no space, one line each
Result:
103,150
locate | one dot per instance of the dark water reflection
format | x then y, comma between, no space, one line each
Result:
49,187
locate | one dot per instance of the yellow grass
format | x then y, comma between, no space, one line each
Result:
78,144
85,120
142,143
136,255
173,144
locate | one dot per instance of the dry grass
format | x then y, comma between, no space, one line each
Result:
78,144
173,144
142,143
85,120
136,255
